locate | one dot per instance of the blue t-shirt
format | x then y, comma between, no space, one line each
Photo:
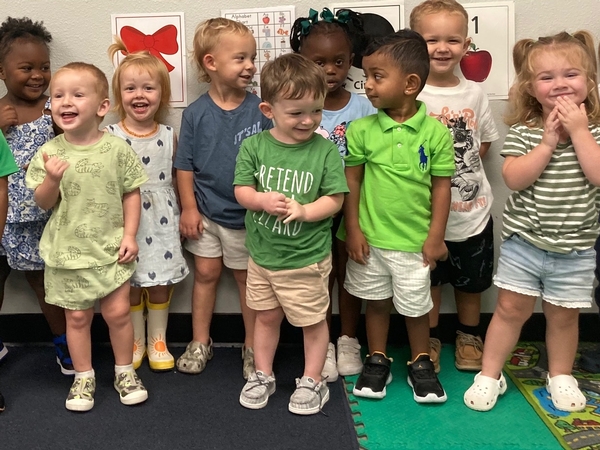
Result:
209,142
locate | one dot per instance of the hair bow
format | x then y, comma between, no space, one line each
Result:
343,16
163,40
306,24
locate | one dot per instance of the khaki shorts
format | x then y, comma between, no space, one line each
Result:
301,293
217,241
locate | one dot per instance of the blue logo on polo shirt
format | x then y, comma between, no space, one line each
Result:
422,159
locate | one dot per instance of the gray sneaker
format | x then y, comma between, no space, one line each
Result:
330,372
257,390
130,388
195,357
248,358
309,396
81,394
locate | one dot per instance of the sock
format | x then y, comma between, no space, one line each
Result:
86,374
434,332
123,369
473,330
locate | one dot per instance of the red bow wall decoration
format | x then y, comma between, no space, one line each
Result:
161,41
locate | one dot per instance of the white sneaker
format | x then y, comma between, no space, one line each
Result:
330,372
349,361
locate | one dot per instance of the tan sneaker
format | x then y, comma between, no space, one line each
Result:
469,350
435,348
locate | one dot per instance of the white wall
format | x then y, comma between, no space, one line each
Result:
82,32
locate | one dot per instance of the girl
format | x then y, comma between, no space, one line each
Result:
142,90
25,70
329,43
551,219
91,181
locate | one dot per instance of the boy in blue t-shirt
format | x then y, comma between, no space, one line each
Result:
212,129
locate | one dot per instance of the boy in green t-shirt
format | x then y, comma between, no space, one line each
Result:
398,169
292,181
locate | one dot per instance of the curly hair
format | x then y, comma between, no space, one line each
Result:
24,28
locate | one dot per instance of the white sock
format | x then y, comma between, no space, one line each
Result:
123,369
86,374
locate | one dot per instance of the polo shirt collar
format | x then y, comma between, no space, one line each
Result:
415,122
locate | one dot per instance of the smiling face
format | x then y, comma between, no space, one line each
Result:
445,34
331,51
140,94
556,75
26,70
295,119
232,63
77,106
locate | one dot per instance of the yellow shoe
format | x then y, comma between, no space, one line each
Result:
159,357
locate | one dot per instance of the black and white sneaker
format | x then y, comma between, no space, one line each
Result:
375,376
424,381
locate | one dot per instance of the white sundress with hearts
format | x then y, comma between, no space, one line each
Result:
160,258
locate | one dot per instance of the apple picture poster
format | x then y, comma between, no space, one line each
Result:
489,60
271,28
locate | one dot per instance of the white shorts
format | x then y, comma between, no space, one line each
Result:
395,274
217,241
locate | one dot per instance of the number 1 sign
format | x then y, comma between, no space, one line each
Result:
489,61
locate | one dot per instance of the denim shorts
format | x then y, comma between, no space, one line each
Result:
561,279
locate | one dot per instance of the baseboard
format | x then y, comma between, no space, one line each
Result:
228,328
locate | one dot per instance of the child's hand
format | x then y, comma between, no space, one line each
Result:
55,167
273,203
357,247
8,117
190,224
433,251
572,117
552,129
295,211
128,250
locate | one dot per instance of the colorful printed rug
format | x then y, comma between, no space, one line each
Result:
527,368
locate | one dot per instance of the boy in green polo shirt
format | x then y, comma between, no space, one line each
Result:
398,169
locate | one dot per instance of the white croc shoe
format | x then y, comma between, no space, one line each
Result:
565,393
484,392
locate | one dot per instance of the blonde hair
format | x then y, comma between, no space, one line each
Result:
436,6
101,85
207,37
143,61
292,76
578,48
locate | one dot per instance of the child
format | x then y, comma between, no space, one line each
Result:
25,70
328,42
91,181
142,90
292,182
7,167
212,129
463,107
550,223
398,169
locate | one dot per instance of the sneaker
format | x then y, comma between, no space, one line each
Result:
3,351
130,388
330,372
435,348
349,361
469,351
248,358
1,402
424,382
255,393
81,394
63,358
195,357
309,396
375,376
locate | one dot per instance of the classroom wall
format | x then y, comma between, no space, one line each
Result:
82,32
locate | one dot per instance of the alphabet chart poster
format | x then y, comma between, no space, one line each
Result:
271,28
161,35
489,62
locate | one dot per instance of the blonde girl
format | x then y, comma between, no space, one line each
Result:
550,223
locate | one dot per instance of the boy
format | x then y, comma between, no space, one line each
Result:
291,180
398,169
212,129
91,181
463,107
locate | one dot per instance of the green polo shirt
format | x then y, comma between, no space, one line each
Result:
399,160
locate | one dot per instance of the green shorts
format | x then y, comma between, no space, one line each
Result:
78,289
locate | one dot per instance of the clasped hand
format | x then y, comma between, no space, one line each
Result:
286,209
566,117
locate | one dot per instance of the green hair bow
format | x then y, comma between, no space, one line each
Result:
326,15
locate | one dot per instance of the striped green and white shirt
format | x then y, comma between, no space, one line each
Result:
559,211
